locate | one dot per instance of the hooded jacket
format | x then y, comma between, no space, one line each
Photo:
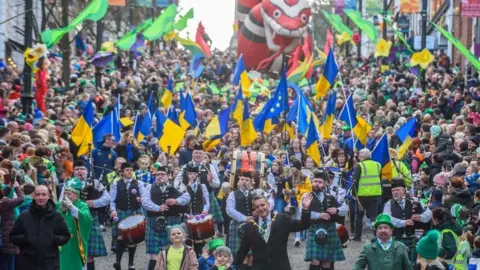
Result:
38,233
460,196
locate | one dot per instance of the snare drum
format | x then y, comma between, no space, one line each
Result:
201,229
132,229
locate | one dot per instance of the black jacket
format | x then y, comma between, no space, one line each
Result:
121,151
273,254
38,233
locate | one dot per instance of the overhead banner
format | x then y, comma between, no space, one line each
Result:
409,6
373,7
350,4
471,8
339,6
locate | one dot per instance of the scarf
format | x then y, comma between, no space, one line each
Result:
129,152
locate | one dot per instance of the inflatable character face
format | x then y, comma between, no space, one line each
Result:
285,21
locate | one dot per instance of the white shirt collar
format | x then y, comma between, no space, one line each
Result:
268,218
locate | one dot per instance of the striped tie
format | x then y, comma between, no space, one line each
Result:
264,227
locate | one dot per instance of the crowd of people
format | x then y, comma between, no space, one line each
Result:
203,209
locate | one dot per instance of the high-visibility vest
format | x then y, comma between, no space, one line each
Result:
400,171
369,184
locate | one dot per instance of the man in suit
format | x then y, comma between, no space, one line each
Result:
267,235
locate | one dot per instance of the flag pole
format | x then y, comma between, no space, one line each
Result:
348,112
285,113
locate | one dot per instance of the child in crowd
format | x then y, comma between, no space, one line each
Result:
207,260
223,259
143,174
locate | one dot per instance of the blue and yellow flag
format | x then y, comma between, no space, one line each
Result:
329,116
238,106
188,115
247,130
109,124
145,127
406,133
327,80
168,94
169,134
381,155
312,142
82,135
241,77
216,129
359,126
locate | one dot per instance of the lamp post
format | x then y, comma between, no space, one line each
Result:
27,95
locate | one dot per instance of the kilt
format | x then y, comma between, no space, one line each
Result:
233,239
121,216
96,244
410,243
155,240
332,251
215,208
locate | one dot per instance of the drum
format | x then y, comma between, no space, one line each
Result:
342,233
246,161
201,229
132,229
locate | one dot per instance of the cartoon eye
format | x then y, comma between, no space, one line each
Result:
276,13
304,18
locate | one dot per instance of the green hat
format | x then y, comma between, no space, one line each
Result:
428,110
346,128
427,247
383,219
74,186
217,242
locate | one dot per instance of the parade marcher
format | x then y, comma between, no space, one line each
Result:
267,235
126,197
39,251
400,170
97,198
324,214
177,255
383,252
340,195
405,214
127,148
367,190
74,254
104,157
164,208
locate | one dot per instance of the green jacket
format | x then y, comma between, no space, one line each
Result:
373,257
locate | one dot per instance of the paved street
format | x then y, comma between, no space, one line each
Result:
295,254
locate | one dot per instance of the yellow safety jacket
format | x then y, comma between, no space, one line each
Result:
369,183
400,171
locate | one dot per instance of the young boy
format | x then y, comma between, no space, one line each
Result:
207,260
223,258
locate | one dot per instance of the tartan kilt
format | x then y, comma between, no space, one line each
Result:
233,239
154,240
121,216
332,251
96,244
410,243
215,208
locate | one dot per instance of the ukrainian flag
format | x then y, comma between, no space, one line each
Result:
330,71
406,133
328,116
238,107
381,155
247,130
109,124
145,127
241,76
188,115
169,134
359,126
168,94
126,121
312,142
216,129
172,115
82,135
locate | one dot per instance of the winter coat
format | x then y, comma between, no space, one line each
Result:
189,260
38,233
121,151
6,214
449,247
460,196
103,157
373,257
444,145
206,264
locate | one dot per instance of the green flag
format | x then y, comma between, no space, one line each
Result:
163,24
127,41
95,11
336,22
182,23
366,26
460,47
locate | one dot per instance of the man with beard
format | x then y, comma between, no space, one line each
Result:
40,250
383,252
404,213
324,214
267,235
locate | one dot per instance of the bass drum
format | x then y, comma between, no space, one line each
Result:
248,161
132,229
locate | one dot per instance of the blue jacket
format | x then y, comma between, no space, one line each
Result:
103,157
206,264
